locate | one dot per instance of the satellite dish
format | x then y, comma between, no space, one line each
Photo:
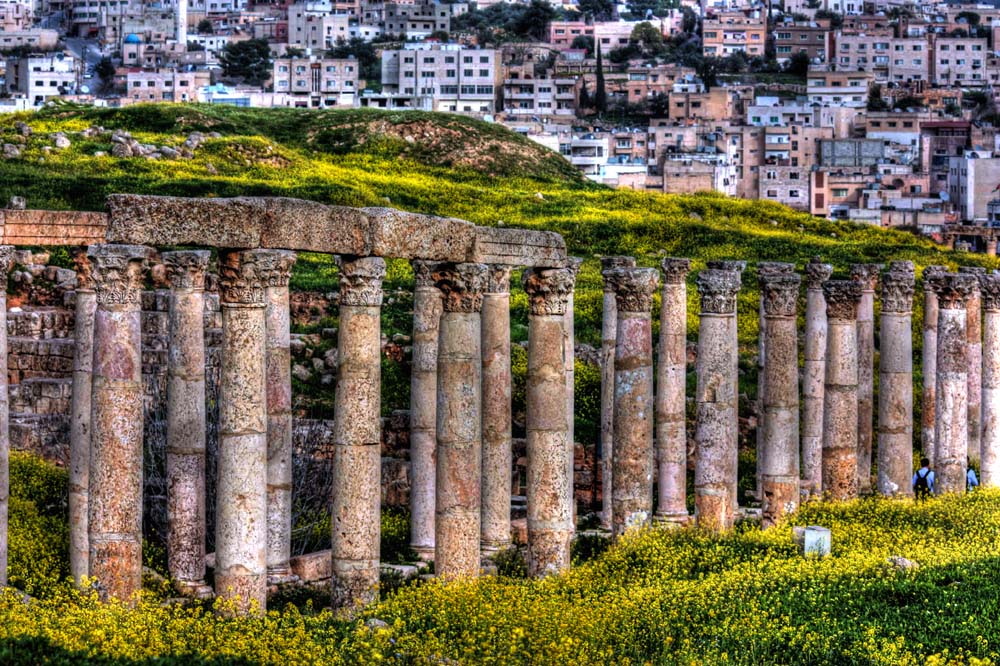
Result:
944,196
85,89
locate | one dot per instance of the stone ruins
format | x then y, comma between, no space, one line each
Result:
224,336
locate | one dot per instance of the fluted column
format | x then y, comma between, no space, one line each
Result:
895,395
867,276
813,376
357,435
990,444
241,488
671,383
79,424
550,453
423,412
276,271
6,261
929,365
459,426
186,421
632,457
716,401
840,394
780,397
974,336
497,464
115,498
609,329
951,419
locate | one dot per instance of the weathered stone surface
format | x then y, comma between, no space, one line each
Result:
974,335
518,247
990,444
6,261
929,364
813,371
46,227
840,397
895,402
79,468
867,275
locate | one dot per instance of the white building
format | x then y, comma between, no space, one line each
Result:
41,76
316,82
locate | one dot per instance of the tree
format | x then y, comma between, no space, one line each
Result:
105,70
689,22
584,102
599,10
600,94
798,64
585,42
647,38
534,21
972,18
369,62
875,101
836,20
205,27
294,52
708,72
249,60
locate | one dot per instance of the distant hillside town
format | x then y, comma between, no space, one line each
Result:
874,111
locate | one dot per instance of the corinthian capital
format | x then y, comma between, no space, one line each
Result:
461,285
548,289
779,293
989,286
842,298
634,288
361,281
675,270
866,275
768,269
953,289
735,265
611,263
718,289
241,279
117,272
276,267
84,270
423,272
817,273
186,269
498,279
897,287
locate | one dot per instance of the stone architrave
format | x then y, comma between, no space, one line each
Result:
671,383
497,453
990,445
186,421
928,403
550,453
951,418
276,271
840,394
609,329
974,336
6,261
633,454
115,490
357,435
423,412
459,421
241,488
895,396
867,276
716,401
813,376
780,397
79,425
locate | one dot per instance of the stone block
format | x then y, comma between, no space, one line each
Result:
313,567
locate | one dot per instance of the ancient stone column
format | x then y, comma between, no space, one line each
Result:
951,418
550,453
497,464
79,424
813,376
276,271
895,395
357,434
6,261
609,329
929,364
974,336
241,489
991,246
459,425
990,444
115,491
423,413
716,401
186,421
780,397
569,361
671,383
867,276
632,456
840,394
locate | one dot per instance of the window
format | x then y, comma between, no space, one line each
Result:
793,193
450,73
839,192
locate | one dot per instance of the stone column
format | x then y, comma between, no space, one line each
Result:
423,413
357,434
928,404
550,453
716,400
79,424
497,464
867,276
186,421
840,394
276,271
990,444
115,497
671,384
951,419
991,246
813,376
569,361
895,395
632,457
241,488
6,261
974,336
780,397
609,329
459,425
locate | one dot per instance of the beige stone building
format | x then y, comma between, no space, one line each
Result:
958,61
316,82
164,85
732,32
440,78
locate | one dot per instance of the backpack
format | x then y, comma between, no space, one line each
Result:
921,488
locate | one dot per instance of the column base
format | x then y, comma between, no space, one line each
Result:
672,518
424,553
283,576
194,589
493,547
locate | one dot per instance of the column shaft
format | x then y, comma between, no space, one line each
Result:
867,275
497,463
840,397
569,362
6,260
974,336
990,444
813,376
928,401
79,425
895,397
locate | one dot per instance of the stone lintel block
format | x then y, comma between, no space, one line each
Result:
518,247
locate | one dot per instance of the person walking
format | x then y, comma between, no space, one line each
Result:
971,481
923,480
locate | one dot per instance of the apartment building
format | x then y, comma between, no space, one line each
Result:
36,39
733,32
314,82
909,60
15,16
973,179
417,20
440,78
838,88
813,38
41,76
863,53
318,30
786,185
609,34
958,61
540,97
165,85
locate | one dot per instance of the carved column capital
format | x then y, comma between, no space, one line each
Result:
241,279
84,270
978,271
842,298
817,273
186,269
780,294
735,265
768,269
276,267
866,275
718,289
498,279
462,286
634,288
117,272
610,263
953,289
548,289
930,272
361,280
897,287
989,287
423,272
675,270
